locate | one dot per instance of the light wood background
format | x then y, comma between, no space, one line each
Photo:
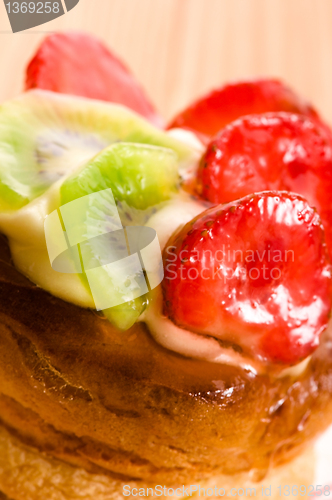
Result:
179,49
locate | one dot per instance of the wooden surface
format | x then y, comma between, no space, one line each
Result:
181,48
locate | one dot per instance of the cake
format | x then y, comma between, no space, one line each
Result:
164,294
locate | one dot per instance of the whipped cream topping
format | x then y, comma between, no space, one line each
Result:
190,344
26,237
190,139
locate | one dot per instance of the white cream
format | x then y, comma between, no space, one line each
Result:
178,211
188,138
197,346
25,232
191,140
190,344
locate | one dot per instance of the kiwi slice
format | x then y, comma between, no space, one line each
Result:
44,136
140,176
100,201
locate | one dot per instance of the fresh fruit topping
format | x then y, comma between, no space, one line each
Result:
129,170
215,110
44,136
79,64
253,273
279,151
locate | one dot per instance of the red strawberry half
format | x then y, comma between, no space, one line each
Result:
213,111
279,151
254,273
79,64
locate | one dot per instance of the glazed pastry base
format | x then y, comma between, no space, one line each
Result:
27,474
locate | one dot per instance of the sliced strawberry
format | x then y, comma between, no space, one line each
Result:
79,64
254,273
212,112
279,151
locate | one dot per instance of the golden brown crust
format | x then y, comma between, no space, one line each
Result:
27,474
120,404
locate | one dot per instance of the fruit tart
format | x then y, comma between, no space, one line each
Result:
165,294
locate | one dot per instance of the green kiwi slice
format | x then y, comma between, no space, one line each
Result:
118,188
